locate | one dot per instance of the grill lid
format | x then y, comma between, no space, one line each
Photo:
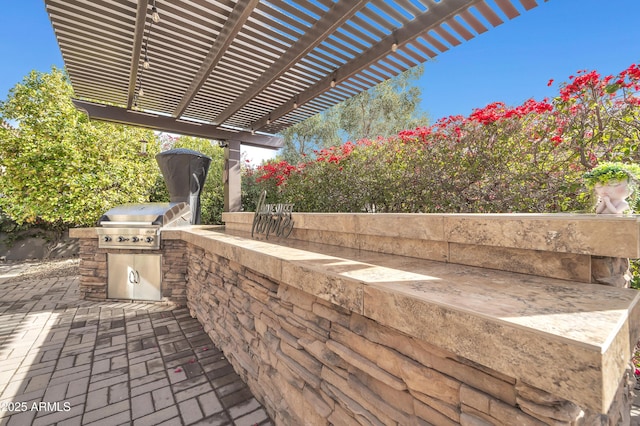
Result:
158,214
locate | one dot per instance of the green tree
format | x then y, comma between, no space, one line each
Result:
384,109
528,158
381,111
251,190
58,168
312,134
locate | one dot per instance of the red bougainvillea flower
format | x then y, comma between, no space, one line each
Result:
559,123
419,133
278,171
498,110
489,114
580,83
557,140
347,148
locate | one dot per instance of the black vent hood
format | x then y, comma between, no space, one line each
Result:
184,172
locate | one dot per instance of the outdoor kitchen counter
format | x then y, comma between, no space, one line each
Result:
572,339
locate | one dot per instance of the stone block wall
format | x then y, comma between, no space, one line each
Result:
174,271
314,363
93,270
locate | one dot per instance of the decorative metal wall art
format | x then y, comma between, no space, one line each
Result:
272,218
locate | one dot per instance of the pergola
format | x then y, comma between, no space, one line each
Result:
241,71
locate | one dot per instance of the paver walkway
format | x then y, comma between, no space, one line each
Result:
66,361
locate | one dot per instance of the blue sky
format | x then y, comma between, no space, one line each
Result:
510,63
514,62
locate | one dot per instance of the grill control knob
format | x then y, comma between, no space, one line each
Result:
121,239
135,239
106,238
149,239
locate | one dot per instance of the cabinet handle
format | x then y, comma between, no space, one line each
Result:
134,277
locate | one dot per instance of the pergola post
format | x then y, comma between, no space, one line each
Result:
232,177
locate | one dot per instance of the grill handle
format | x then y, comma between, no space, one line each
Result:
110,224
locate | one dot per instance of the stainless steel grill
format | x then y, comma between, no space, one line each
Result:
138,226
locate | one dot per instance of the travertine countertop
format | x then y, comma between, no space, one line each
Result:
571,339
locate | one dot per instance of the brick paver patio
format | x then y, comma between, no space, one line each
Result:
66,361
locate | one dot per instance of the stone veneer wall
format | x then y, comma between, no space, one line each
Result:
93,270
311,362
94,275
174,271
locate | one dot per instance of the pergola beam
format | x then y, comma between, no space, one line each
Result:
246,64
172,125
338,15
437,14
231,28
138,38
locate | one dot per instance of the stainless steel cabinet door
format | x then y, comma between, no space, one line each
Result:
134,276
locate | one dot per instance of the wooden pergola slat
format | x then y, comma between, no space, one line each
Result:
338,14
231,28
252,65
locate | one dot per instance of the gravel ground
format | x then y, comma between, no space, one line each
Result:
36,269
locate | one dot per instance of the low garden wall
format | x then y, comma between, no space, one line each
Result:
416,319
